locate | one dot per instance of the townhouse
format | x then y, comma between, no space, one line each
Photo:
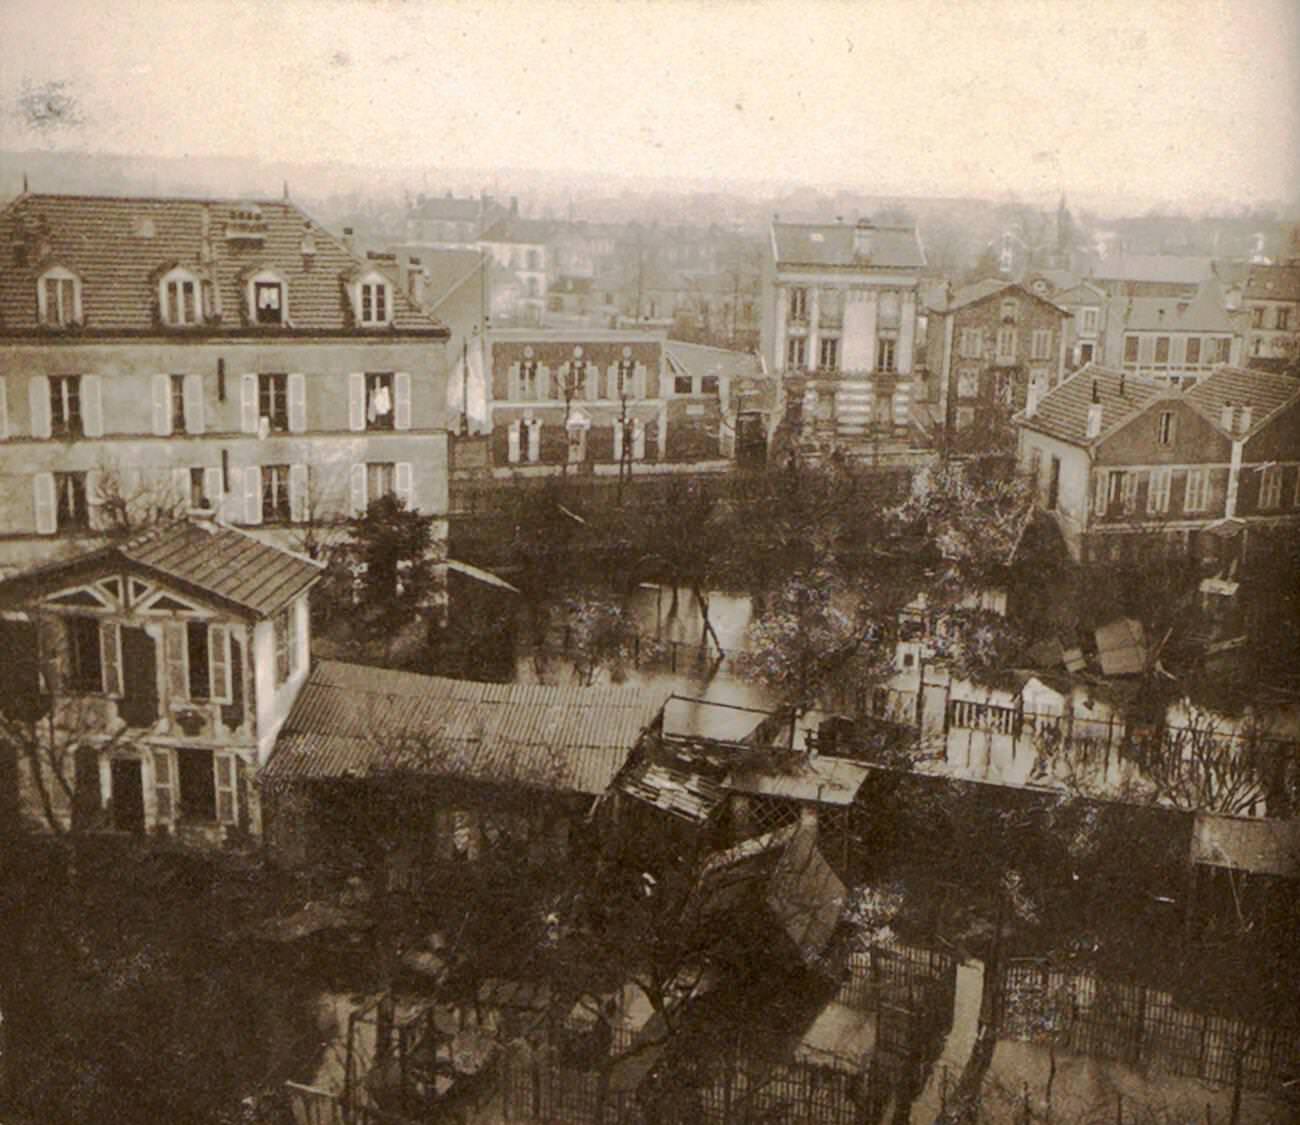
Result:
1125,464
840,314
164,354
1086,303
1170,339
990,345
1272,298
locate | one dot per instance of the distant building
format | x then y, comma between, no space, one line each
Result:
452,222
162,354
1126,465
1086,303
1172,339
522,246
840,307
1272,298
1151,275
989,347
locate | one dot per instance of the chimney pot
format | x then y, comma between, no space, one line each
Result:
1226,416
1094,419
1245,419
347,239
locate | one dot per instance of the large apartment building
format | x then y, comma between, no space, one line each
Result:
163,354
840,308
1173,339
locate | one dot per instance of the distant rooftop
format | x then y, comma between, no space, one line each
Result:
833,244
1273,283
1154,268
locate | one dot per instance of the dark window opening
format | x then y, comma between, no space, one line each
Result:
178,403
275,493
709,384
70,498
268,301
682,384
196,635
85,671
379,400
198,785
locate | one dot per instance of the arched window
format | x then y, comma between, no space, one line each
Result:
58,297
374,297
267,294
180,298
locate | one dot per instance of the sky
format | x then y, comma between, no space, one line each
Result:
1171,100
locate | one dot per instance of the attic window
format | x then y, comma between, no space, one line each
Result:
180,298
268,298
58,298
374,301
1009,310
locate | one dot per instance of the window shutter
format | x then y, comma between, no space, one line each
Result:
248,404
297,402
535,440
180,496
162,785
194,404
514,387
358,489
43,494
110,656
402,400
38,396
232,501
219,663
223,765
298,493
1099,493
212,491
512,442
404,483
4,409
638,439
51,642
639,382
618,439
252,494
92,414
544,391
357,400
591,382
162,414
174,656
94,499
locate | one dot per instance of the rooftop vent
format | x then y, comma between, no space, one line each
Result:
246,225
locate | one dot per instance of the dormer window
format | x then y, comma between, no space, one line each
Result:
58,297
268,298
1009,310
374,301
180,298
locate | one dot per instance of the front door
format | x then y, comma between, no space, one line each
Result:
139,706
128,795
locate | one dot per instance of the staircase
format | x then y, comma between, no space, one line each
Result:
854,400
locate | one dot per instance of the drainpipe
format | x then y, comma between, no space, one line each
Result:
1234,478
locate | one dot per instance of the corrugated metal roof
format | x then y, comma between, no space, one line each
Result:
353,719
102,239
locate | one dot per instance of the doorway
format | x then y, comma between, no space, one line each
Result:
198,785
128,795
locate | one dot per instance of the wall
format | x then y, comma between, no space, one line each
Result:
274,701
1072,498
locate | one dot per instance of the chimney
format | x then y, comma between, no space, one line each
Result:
1094,412
347,239
1226,415
415,281
862,239
1032,395
1122,378
1244,419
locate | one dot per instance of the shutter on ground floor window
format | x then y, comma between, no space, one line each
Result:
92,413
358,489
512,384
297,402
638,439
219,663
232,501
1099,493
404,483
591,382
163,787
38,398
535,440
618,439
43,499
357,400
402,400
174,656
512,442
298,493
162,407
224,765
543,382
94,498
194,422
252,494
110,656
212,491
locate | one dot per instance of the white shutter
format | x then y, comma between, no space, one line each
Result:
404,483
162,414
175,657
248,404
611,381
357,400
212,490
639,390
92,412
402,400
4,409
512,441
638,440
194,422
252,494
223,765
297,402
591,381
110,657
38,397
513,386
43,498
535,440
358,489
181,489
232,501
618,439
94,507
298,493
219,663
544,391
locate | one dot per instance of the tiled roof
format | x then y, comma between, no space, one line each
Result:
831,244
120,246
986,289
1063,411
352,720
1155,268
1273,283
1205,312
211,559
1265,392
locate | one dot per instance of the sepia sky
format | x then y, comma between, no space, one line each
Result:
1175,100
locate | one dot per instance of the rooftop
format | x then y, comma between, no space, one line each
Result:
1265,392
1273,283
1155,268
201,556
531,232
119,248
1063,411
987,289
1206,312
352,720
832,244
699,359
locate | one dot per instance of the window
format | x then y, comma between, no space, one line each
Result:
1089,321
282,628
208,652
1220,349
528,379
275,493
1283,320
1257,317
1054,484
968,382
180,299
709,385
885,354
163,789
85,666
379,400
625,378
1130,349
796,351
374,302
58,298
381,480
1166,427
1270,487
683,385
1158,491
198,493
1086,353
1128,490
1010,308
273,401
268,302
828,357
70,502
971,343
1006,343
1194,497
1041,344
1162,350
1193,351
65,406
177,396
798,304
